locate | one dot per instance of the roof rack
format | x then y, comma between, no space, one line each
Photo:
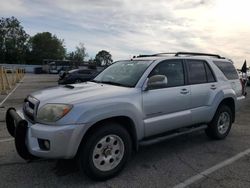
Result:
177,54
165,53
197,54
143,56
152,55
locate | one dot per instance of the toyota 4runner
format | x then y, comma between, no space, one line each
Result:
131,103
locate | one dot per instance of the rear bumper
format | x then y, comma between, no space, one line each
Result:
239,102
63,140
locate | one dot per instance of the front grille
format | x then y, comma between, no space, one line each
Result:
30,107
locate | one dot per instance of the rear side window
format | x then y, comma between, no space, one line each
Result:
228,69
197,72
210,75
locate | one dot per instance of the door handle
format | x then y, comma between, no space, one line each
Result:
184,91
213,87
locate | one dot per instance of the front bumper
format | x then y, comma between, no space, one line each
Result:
63,140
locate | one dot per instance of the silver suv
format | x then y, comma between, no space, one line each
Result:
131,103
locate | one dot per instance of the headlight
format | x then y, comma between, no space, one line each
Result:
53,112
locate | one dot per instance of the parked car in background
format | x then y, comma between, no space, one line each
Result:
77,76
64,70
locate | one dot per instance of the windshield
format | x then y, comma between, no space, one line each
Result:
123,73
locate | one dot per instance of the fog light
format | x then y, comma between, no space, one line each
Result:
47,144
44,144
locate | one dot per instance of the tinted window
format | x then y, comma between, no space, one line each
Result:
173,70
228,69
197,72
210,76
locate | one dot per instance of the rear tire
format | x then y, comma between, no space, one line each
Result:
105,151
221,124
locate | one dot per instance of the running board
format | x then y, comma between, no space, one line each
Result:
175,134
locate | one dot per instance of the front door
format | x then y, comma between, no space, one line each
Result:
167,108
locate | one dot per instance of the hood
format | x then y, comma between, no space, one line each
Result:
78,93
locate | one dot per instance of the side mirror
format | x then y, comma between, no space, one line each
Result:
157,81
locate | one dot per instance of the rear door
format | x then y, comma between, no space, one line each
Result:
167,108
203,89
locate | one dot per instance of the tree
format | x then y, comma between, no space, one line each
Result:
103,58
13,41
79,54
91,64
45,46
70,56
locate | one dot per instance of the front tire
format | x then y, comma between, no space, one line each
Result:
105,151
221,124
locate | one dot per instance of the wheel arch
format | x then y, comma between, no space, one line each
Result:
229,101
124,121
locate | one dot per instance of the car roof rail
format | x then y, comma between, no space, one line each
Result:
153,55
198,54
143,56
165,53
177,54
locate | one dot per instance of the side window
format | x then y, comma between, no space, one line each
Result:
173,70
197,72
210,75
228,69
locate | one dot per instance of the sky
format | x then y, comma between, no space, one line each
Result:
131,27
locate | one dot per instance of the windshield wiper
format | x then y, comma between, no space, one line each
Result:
111,83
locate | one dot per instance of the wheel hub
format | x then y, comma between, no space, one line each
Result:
108,152
223,122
